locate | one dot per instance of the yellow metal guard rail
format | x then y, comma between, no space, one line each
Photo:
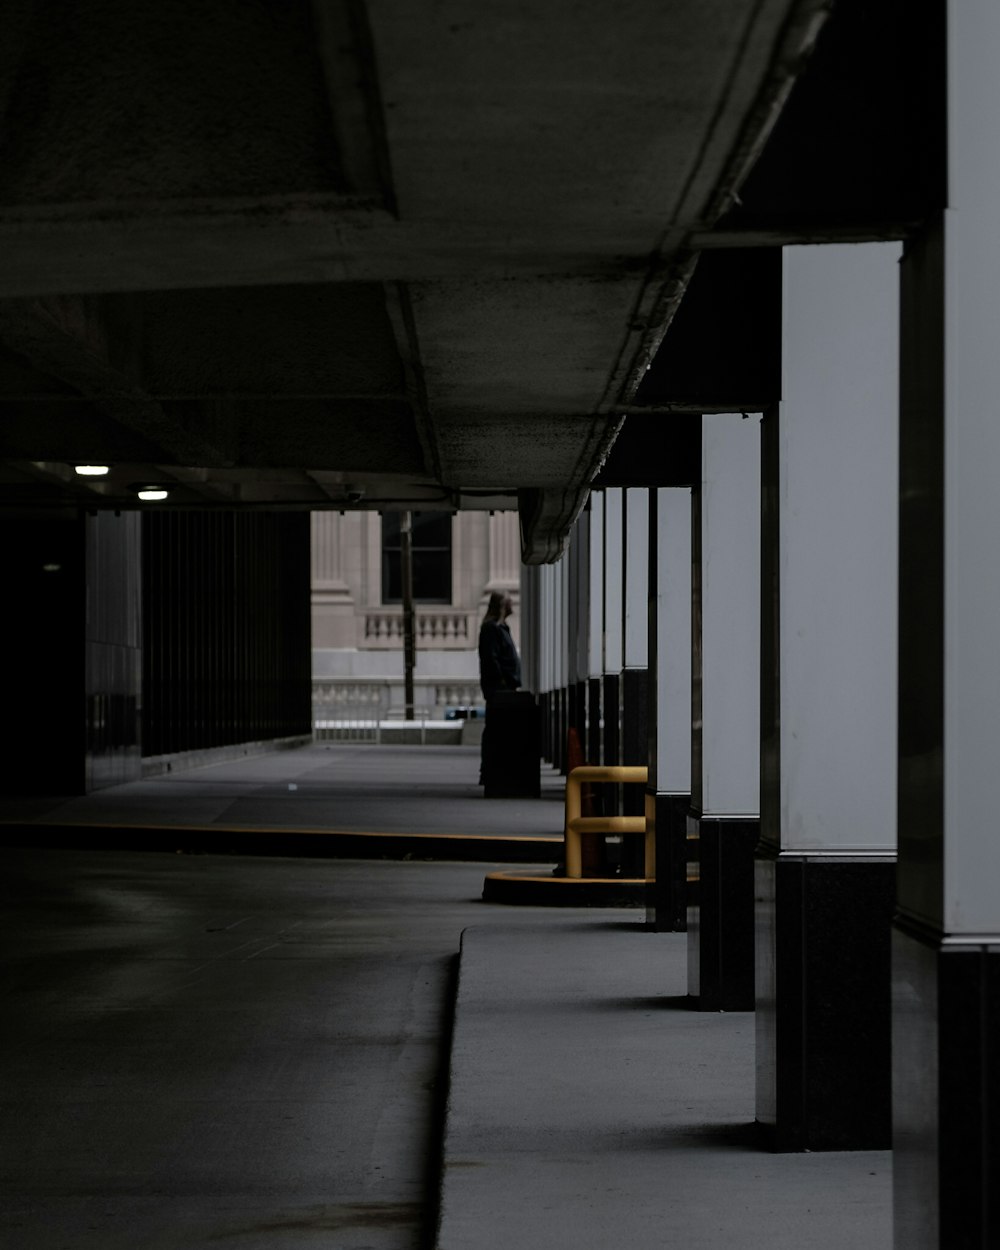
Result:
576,823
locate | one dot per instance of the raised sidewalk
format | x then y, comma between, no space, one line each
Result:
590,1107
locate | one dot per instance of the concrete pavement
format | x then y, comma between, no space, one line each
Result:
335,798
591,1108
205,1050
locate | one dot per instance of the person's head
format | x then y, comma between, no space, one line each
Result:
499,607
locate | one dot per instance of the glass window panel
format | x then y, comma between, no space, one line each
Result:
431,543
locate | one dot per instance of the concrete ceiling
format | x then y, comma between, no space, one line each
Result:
398,253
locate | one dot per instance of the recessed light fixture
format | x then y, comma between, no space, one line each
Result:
91,470
152,493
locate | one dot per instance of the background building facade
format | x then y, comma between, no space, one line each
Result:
357,617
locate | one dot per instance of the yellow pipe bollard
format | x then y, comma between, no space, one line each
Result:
577,823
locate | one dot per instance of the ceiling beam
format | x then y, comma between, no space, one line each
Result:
345,49
404,329
794,235
139,246
63,339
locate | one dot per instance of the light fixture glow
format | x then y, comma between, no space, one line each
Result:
91,470
153,493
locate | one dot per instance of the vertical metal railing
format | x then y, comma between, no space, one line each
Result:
337,717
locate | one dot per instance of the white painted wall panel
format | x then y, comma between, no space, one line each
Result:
636,579
673,645
838,469
595,642
613,580
581,601
972,461
730,525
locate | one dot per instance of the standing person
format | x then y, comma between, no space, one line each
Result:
499,663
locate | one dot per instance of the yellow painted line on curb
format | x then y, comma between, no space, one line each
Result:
519,878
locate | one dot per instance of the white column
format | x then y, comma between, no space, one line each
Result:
946,1116
555,634
969,901
634,740
828,798
547,648
728,781
325,550
333,615
613,648
565,605
837,544
673,641
635,577
572,581
581,632
595,580
612,625
668,686
725,700
504,552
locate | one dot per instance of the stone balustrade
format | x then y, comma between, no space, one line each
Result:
439,628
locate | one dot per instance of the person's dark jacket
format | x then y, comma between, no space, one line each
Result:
499,664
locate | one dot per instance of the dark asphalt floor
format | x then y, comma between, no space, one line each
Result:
363,788
210,1051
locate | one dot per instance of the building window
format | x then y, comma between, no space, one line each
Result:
431,544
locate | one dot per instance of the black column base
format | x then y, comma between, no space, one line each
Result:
563,744
559,729
634,705
611,705
720,914
594,720
579,721
946,1092
666,897
823,1014
634,751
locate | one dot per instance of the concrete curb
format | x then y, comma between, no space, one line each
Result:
527,889
314,843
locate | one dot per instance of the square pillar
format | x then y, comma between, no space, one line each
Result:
634,744
595,629
826,863
724,819
612,624
946,944
668,794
